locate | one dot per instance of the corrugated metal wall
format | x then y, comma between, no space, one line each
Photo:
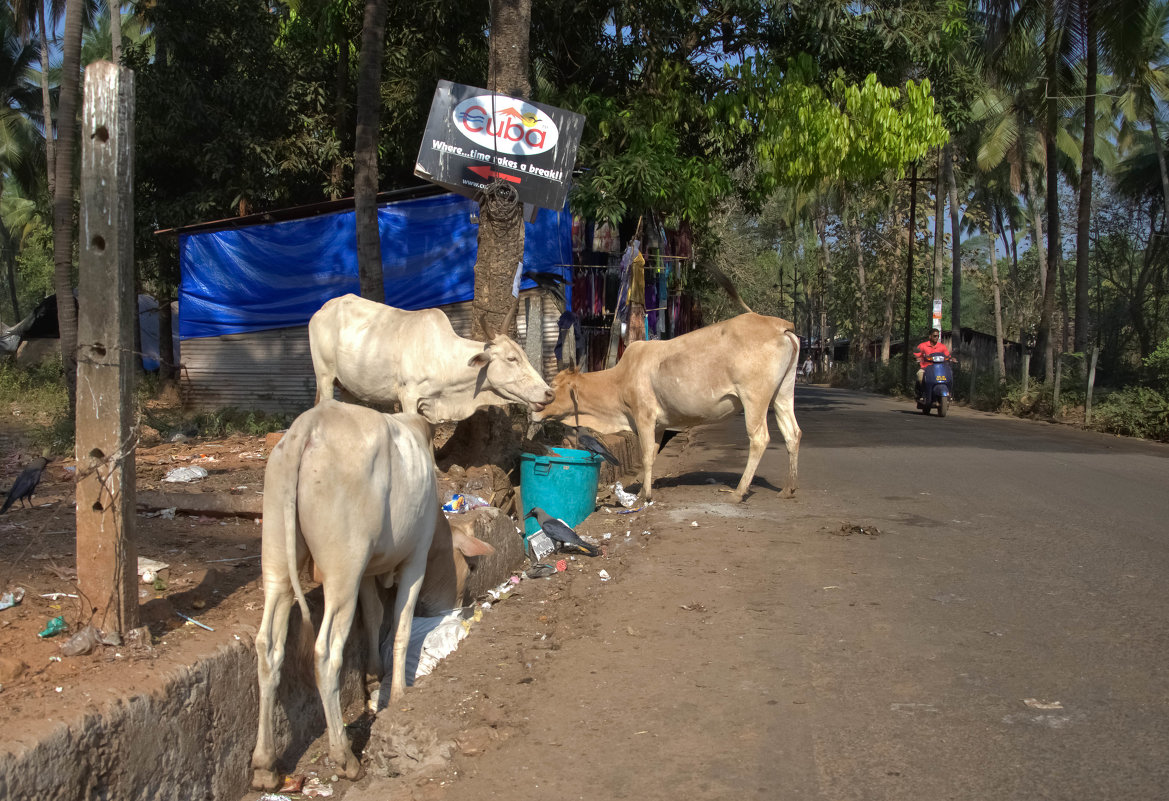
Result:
272,371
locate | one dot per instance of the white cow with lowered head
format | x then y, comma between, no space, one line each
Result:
379,355
354,490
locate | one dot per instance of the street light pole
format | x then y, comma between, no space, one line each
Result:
909,273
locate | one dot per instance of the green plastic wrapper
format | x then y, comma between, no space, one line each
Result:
54,626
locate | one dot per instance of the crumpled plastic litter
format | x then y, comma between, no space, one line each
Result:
54,627
82,642
185,474
165,514
460,503
315,788
432,639
626,499
10,599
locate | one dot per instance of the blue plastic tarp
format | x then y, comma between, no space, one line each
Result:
276,275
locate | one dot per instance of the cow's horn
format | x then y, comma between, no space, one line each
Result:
509,320
488,334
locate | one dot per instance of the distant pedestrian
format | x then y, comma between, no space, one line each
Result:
806,370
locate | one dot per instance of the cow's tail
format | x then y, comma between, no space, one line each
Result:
295,441
789,371
723,281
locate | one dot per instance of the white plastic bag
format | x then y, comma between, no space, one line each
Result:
186,474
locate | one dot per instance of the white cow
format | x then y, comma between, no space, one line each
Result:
354,490
381,355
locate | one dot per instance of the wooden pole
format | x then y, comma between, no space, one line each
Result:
1055,387
106,556
1091,385
1026,373
973,375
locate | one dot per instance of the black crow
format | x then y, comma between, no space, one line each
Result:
559,532
593,445
25,484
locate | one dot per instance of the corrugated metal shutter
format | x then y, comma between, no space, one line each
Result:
269,371
272,371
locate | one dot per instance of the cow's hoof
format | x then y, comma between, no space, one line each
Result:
264,779
350,766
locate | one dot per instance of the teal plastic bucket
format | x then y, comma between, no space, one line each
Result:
564,485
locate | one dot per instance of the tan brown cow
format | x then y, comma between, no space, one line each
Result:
380,355
746,363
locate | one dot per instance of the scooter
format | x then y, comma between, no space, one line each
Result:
935,386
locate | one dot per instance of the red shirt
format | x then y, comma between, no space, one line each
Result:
927,349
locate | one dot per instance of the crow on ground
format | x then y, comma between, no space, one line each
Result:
593,445
25,484
559,532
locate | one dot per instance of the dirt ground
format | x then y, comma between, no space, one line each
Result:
213,568
415,751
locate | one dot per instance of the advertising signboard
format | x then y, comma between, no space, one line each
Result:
474,137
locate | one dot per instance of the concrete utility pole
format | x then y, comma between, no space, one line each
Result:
107,570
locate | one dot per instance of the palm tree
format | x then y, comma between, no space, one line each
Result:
19,139
63,195
30,19
1142,67
1088,14
104,39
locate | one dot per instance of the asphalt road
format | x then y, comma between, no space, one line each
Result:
1017,560
969,608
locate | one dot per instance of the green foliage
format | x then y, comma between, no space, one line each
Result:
1133,412
34,263
223,422
1157,363
650,150
34,398
812,130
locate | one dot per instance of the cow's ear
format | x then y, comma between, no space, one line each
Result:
481,358
470,545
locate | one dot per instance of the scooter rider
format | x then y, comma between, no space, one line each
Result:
924,351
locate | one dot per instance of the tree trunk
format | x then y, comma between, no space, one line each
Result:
998,306
860,348
63,198
341,123
825,271
369,71
501,223
1045,345
893,283
1037,222
1159,146
46,102
1011,246
939,226
116,31
1087,170
956,249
